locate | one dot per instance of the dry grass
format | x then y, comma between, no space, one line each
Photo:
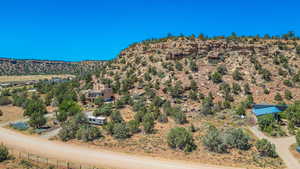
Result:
11,113
30,77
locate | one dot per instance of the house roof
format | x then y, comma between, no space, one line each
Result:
264,111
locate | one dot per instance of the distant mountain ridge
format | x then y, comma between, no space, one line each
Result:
32,66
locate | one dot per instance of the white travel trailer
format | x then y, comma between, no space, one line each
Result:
95,120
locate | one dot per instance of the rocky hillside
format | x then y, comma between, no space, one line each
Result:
178,68
30,67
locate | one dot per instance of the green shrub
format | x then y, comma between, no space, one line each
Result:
179,116
104,110
61,116
4,100
3,153
178,66
148,123
193,66
139,116
237,75
222,69
226,104
133,126
116,117
266,75
298,137
88,133
68,131
109,127
192,128
70,127
193,85
193,95
247,89
213,140
288,94
207,105
249,101
265,148
99,101
288,83
121,131
162,118
266,91
237,138
157,101
119,104
26,164
240,110
278,97
293,113
180,138
264,122
69,106
268,124
216,77
236,88
35,106
37,120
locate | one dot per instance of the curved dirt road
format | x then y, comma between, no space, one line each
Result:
282,148
85,155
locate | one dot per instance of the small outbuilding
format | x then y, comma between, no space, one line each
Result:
264,109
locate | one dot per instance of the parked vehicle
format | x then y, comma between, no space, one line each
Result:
97,120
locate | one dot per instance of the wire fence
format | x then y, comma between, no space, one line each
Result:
50,163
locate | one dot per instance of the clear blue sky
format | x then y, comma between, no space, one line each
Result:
99,29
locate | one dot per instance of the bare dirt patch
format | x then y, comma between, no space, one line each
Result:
295,152
11,113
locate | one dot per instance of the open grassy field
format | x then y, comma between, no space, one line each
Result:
30,77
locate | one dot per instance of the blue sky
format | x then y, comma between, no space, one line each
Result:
98,29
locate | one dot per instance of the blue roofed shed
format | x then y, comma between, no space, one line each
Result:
266,110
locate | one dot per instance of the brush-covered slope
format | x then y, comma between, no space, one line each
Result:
230,69
32,67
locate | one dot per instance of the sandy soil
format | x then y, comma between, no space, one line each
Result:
295,153
11,113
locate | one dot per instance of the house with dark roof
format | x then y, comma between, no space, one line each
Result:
106,94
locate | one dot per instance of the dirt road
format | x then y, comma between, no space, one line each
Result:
282,148
85,155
